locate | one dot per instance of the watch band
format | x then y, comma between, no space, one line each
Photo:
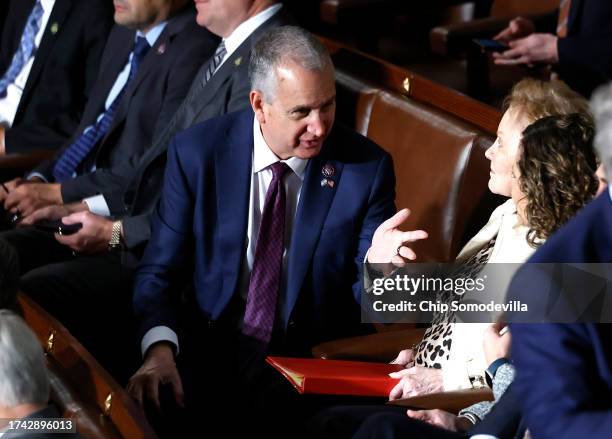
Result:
115,241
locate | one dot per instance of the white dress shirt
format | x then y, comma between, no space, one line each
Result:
10,103
261,177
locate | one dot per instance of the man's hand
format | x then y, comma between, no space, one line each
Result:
53,213
405,358
496,345
416,381
93,237
26,197
436,417
536,48
158,368
389,242
9,186
517,28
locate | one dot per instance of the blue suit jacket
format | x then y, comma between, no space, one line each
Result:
202,216
565,370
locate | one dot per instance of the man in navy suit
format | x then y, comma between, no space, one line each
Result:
271,216
564,377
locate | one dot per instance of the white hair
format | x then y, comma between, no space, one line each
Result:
601,106
23,373
280,46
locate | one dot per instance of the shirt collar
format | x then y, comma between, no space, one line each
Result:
153,34
247,27
263,156
47,5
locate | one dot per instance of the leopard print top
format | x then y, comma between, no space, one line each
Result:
434,348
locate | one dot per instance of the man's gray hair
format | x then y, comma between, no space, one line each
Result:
601,106
280,46
23,373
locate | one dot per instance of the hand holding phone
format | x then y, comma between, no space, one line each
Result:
57,226
488,45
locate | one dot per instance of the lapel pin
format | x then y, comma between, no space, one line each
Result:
328,182
328,171
54,27
238,61
161,49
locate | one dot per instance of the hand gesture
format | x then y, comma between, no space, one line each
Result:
405,358
92,238
536,48
389,242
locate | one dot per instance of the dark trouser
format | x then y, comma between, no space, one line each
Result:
400,426
90,295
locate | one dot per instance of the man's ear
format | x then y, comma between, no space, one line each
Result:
257,103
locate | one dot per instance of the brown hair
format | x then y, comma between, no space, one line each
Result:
557,171
536,99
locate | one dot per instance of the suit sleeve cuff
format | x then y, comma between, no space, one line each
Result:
97,204
157,334
31,175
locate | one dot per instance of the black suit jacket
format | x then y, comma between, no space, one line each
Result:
63,72
585,55
227,91
147,105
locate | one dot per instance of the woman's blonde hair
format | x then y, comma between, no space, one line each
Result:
536,99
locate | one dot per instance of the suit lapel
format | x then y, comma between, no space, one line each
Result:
314,204
233,166
58,15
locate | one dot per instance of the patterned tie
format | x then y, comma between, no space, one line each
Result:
67,163
215,62
564,10
267,265
26,50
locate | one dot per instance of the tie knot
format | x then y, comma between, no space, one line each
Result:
141,47
278,170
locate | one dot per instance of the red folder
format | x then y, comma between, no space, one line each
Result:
333,377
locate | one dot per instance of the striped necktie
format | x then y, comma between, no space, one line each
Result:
265,279
564,10
67,163
215,62
26,50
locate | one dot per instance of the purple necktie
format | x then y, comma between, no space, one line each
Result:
267,265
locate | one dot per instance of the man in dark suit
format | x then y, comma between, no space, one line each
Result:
220,87
45,96
564,368
140,103
271,215
127,108
574,40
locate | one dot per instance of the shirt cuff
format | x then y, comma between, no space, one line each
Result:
97,204
31,175
157,334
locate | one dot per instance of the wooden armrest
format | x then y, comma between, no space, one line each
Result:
455,39
25,162
382,347
449,401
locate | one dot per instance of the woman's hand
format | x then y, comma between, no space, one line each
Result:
415,381
496,345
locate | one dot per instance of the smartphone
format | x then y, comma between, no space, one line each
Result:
57,226
488,45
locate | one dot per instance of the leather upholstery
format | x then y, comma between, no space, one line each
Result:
439,162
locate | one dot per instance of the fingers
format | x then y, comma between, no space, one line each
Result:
417,414
152,386
177,389
134,389
49,212
396,220
396,392
399,373
74,218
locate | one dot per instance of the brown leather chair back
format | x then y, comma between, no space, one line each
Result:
438,157
515,8
80,388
